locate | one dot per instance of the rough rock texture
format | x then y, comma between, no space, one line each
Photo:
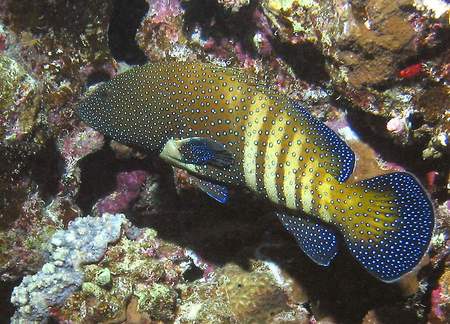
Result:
45,63
150,279
233,5
386,58
375,71
145,269
19,101
84,241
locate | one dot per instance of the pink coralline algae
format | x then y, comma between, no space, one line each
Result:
161,27
161,11
80,143
129,186
396,125
440,300
72,146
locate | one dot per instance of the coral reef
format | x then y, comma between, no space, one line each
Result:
440,260
19,102
44,65
233,5
161,28
144,270
375,71
147,279
370,48
238,296
84,241
440,300
128,189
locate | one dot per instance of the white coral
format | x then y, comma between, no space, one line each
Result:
84,241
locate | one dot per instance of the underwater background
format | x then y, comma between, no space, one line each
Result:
93,231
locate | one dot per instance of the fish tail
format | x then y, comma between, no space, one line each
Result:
387,222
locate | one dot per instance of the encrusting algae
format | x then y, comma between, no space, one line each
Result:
225,128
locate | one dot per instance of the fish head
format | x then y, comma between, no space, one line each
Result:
94,109
121,110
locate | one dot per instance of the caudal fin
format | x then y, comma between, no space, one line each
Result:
388,224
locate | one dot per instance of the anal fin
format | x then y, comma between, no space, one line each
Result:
317,241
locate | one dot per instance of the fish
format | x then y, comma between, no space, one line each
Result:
228,129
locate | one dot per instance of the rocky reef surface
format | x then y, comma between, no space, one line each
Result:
155,249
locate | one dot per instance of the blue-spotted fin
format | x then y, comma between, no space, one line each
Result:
227,129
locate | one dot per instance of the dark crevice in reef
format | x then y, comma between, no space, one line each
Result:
217,23
213,20
6,308
372,130
97,77
98,176
306,60
125,21
193,273
37,168
368,127
46,169
428,53
433,279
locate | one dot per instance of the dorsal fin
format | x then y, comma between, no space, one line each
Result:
341,159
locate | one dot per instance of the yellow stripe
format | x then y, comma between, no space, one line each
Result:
254,124
325,190
305,190
290,176
271,159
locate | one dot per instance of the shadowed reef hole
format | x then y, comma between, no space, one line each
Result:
125,21
98,176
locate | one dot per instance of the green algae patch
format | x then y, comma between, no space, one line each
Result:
141,270
19,102
103,277
235,296
92,289
159,301
11,74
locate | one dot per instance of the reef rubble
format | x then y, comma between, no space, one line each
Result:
155,249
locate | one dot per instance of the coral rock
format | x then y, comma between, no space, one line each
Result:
84,241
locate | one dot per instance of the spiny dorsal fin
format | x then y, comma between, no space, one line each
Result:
341,158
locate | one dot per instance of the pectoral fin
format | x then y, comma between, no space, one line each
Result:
190,152
316,240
